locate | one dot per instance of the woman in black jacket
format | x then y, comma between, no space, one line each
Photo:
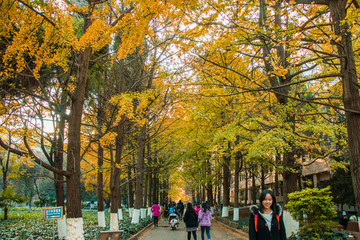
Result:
266,222
191,221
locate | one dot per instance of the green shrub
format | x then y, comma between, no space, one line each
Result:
314,209
37,202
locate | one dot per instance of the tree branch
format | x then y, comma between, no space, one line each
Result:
34,158
320,2
42,163
39,13
122,15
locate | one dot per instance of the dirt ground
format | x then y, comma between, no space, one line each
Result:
163,232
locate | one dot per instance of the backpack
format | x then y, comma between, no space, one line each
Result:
256,220
172,210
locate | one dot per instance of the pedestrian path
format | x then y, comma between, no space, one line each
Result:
163,232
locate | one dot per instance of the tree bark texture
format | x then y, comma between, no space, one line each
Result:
130,189
115,177
140,167
351,97
58,161
236,179
73,184
226,180
209,185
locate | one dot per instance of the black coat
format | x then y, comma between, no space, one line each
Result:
263,232
190,218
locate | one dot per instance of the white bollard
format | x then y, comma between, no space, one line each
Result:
143,212
135,216
114,223
291,225
120,214
101,219
225,211
236,214
62,227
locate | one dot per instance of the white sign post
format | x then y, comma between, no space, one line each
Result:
53,213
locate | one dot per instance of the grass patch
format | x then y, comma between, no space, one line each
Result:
24,223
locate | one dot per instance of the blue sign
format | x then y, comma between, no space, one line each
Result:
53,213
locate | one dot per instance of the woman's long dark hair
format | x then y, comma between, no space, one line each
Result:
189,206
262,198
205,206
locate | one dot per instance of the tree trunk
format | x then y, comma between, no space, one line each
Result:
246,187
115,176
277,186
146,190
58,161
289,176
226,181
73,183
219,190
262,177
100,187
140,167
226,184
5,169
100,177
236,190
209,185
351,96
139,189
59,179
130,189
253,194
236,179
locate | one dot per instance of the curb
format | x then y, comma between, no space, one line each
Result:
245,235
137,235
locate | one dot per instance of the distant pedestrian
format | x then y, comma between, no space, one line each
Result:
167,206
197,208
155,209
191,221
266,221
216,206
162,209
344,220
205,220
180,209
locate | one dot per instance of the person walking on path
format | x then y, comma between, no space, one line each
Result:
266,221
205,220
344,220
155,211
180,209
197,208
191,221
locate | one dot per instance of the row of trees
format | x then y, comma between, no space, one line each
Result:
90,68
268,84
157,93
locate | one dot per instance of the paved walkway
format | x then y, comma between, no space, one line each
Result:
163,232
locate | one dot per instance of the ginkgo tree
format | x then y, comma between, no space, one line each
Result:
141,89
267,50
55,21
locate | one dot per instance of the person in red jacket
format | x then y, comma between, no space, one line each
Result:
197,208
155,209
266,221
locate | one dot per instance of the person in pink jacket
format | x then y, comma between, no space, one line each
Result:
205,220
155,209
197,208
